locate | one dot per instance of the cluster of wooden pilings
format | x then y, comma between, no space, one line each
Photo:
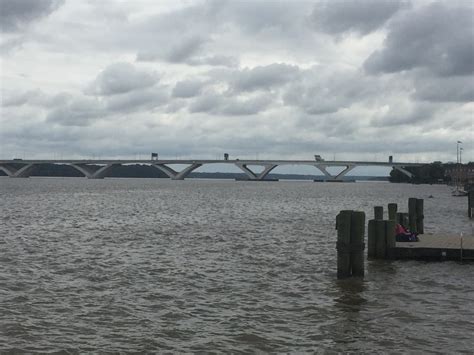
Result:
381,233
381,239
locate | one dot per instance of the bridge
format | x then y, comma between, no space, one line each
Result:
98,169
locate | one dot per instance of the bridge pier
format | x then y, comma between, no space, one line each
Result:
177,175
252,175
323,169
339,176
92,173
403,170
344,172
14,172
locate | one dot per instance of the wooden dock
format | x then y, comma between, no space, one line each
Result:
435,247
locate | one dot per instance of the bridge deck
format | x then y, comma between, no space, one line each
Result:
207,161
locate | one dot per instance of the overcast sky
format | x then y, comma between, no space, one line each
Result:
268,79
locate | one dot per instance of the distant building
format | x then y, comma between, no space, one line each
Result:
464,173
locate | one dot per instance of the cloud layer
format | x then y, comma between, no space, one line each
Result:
15,15
351,79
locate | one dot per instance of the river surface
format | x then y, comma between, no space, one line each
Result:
142,265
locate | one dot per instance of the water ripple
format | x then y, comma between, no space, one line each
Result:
142,265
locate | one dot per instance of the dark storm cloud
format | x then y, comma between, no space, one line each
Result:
119,78
263,77
362,17
437,36
16,14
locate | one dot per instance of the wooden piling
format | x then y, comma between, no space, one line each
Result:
399,218
378,212
412,214
357,243
405,220
419,216
390,235
380,240
343,244
470,204
392,211
371,239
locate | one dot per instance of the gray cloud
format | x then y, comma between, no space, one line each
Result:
33,98
216,104
404,112
323,91
192,34
445,89
19,99
205,103
214,60
179,50
243,107
362,17
438,36
80,111
119,78
138,100
184,50
17,14
187,88
10,44
263,77
257,16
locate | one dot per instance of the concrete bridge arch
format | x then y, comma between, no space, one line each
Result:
254,169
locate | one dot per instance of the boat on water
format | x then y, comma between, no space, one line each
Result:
459,192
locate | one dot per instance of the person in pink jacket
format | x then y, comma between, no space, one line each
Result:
402,234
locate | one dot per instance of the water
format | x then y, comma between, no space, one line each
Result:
218,266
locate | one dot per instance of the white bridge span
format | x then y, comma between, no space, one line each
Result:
98,169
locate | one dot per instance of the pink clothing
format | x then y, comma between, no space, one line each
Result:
399,229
